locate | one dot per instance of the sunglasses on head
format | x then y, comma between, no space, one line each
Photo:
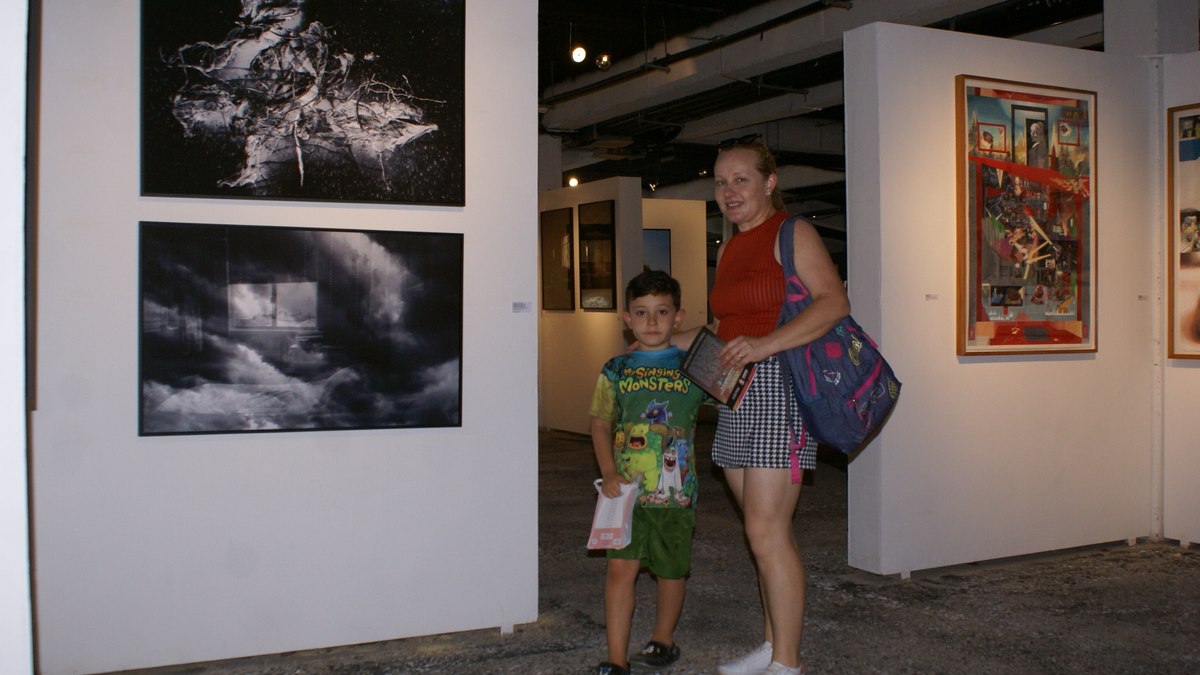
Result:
749,139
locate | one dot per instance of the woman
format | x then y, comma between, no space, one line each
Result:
752,444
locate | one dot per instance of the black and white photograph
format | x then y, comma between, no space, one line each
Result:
558,259
252,329
317,100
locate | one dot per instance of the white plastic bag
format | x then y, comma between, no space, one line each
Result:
612,524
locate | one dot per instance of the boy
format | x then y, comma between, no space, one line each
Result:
643,423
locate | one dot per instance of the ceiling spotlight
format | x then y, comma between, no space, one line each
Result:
573,181
578,54
603,62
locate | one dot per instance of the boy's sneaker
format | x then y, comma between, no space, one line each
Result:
751,664
607,668
656,655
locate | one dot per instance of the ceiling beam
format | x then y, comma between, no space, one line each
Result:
755,53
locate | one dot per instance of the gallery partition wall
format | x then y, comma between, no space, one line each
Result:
1031,449
270,335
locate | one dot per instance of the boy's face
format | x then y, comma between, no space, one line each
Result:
653,319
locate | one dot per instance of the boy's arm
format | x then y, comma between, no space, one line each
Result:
602,444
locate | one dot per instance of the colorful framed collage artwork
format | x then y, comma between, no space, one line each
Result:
1183,238
1026,156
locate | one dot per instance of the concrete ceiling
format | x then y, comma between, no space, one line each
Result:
686,75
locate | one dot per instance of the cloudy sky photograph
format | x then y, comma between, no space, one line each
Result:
285,329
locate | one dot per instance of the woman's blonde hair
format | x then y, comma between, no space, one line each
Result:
764,162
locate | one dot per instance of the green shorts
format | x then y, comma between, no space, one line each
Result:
661,540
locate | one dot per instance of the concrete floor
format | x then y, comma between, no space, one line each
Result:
1104,609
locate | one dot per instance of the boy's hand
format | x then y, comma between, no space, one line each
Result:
610,486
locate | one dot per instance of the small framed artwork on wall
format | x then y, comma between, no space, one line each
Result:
558,259
656,249
1183,231
597,256
253,329
1026,158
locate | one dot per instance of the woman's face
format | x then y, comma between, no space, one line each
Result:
742,193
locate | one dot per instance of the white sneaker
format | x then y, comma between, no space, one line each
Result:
777,668
751,664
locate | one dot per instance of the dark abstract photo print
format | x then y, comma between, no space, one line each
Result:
322,100
253,329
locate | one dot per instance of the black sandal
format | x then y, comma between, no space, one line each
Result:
657,655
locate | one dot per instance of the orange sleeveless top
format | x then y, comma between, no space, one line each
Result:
748,291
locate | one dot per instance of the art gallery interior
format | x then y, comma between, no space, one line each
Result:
125,551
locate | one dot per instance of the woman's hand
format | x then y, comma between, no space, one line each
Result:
743,350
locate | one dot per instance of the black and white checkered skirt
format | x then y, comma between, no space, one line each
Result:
757,434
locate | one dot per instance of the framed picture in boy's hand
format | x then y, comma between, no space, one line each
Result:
1183,237
1026,158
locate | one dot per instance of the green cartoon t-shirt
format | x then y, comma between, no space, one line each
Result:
653,409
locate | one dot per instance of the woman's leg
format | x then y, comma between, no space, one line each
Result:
735,478
768,499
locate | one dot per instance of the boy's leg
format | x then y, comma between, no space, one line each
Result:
669,600
670,560
620,596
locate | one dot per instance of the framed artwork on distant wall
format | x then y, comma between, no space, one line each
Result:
304,100
252,329
1183,237
558,259
1026,155
597,256
656,250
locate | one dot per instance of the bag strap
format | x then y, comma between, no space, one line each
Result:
787,240
787,231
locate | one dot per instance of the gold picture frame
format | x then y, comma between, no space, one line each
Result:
1183,231
1026,156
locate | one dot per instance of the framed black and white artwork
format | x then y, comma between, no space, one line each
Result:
598,256
558,259
251,329
304,100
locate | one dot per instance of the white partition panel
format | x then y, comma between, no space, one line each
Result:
575,343
1181,377
161,550
16,620
988,457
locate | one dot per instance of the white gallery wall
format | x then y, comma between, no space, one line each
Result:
575,344
16,620
165,550
685,218
1181,377
988,457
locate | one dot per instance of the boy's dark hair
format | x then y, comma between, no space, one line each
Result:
653,282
